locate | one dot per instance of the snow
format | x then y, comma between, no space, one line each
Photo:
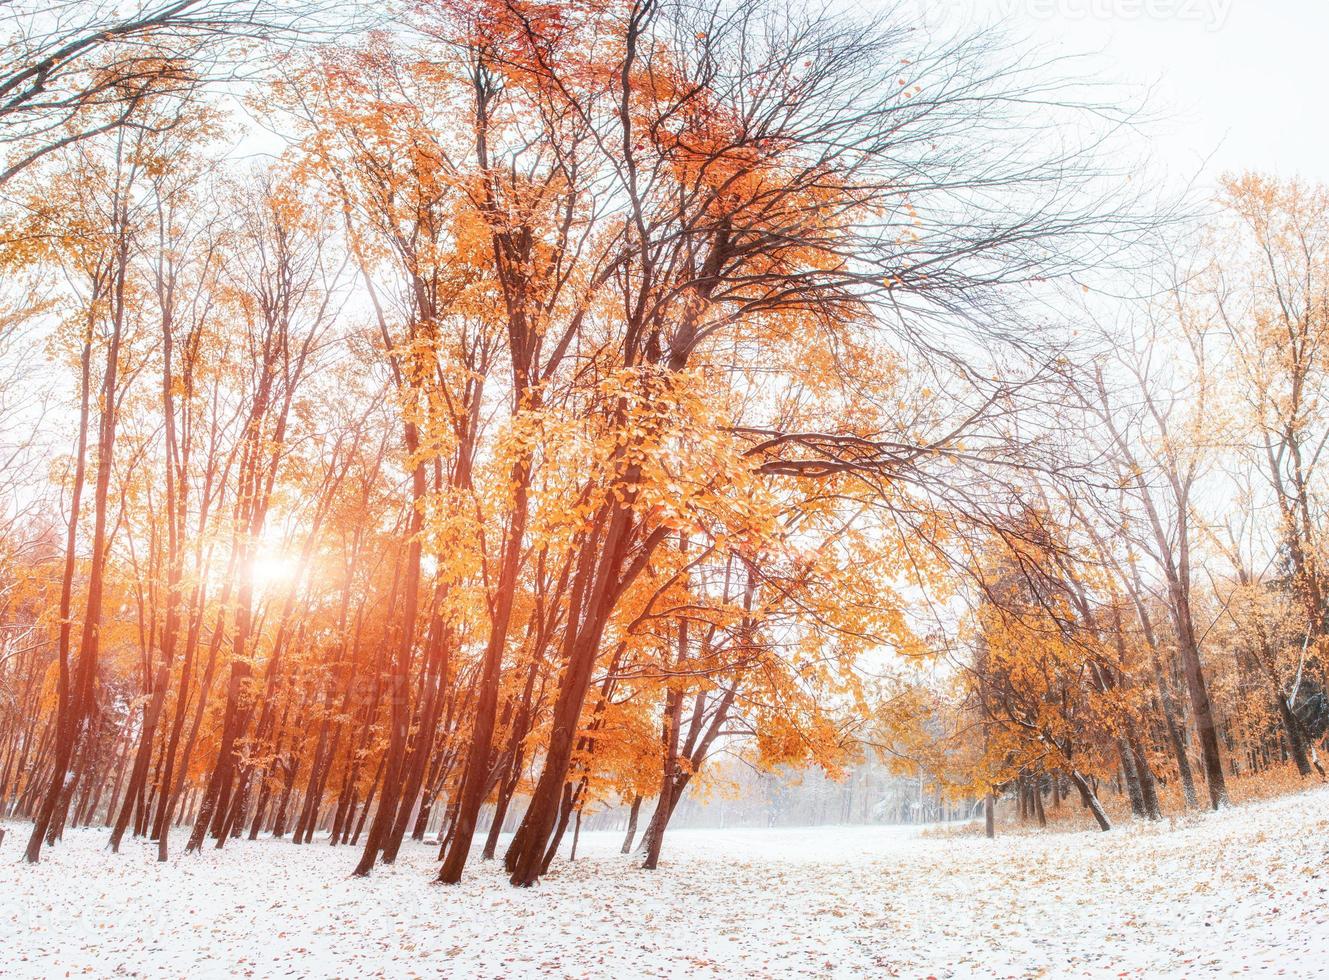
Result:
1241,892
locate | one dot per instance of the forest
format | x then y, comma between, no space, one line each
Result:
437,425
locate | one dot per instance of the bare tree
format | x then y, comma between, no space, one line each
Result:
73,69
1154,417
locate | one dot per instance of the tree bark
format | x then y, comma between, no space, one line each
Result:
632,825
1090,799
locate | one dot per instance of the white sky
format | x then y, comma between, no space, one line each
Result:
1240,84
1234,84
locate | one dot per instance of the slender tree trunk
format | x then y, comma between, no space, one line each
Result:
1090,799
1131,778
399,709
79,703
576,836
665,804
1296,743
632,825
475,777
68,714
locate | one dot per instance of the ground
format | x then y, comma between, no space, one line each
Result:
1242,892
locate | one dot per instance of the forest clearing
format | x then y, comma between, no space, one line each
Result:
1242,892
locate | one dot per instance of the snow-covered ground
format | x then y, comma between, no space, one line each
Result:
1244,892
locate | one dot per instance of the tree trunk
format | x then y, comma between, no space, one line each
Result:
576,836
1296,742
1131,778
632,825
1091,800
1148,785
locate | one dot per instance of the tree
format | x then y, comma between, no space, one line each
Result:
77,70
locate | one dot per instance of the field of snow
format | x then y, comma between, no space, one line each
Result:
1244,892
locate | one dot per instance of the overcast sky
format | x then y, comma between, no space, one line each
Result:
1243,84
1235,84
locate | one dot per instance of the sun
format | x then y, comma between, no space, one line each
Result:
271,569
